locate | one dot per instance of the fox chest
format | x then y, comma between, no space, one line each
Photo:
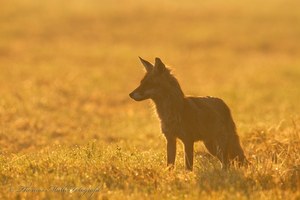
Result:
182,128
176,123
171,125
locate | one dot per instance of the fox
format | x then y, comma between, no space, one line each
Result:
189,118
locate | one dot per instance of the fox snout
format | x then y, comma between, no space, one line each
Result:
140,94
136,96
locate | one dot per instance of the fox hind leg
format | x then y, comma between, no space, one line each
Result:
236,152
218,149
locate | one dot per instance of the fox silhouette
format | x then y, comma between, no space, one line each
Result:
189,119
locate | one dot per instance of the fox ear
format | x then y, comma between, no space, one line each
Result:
148,66
159,65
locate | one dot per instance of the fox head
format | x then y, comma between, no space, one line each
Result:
157,82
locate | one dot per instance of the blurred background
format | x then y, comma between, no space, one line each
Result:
67,67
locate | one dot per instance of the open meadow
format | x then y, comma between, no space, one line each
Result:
68,129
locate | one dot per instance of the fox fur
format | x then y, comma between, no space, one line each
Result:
188,118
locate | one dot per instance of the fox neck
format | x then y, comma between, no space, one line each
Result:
169,107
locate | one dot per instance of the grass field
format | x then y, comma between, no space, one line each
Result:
68,129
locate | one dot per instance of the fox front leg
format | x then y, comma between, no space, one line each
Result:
171,151
189,155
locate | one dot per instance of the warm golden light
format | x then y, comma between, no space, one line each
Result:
68,128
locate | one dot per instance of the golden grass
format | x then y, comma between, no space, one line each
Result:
66,120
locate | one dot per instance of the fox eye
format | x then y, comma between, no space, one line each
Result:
148,83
